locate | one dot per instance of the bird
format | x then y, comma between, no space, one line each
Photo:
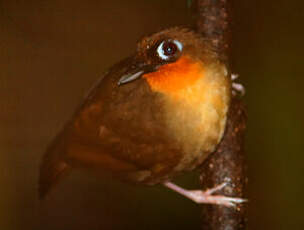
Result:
154,115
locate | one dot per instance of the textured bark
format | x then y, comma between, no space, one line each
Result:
213,22
227,164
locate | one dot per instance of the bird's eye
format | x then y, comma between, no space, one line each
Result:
168,49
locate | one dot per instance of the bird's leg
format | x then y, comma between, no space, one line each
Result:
206,197
237,87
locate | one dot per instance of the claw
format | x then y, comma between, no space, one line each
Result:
206,197
237,87
234,76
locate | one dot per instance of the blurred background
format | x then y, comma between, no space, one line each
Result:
51,52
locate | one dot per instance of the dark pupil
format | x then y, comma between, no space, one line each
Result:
169,48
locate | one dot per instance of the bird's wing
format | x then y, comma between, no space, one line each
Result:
78,142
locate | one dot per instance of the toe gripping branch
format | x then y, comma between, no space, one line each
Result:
227,164
237,88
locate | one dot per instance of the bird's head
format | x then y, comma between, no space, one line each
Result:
171,60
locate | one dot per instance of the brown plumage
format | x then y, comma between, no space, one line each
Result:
153,115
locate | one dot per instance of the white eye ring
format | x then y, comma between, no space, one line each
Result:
161,52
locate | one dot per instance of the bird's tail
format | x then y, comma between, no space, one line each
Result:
53,166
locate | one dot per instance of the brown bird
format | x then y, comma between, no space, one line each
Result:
154,115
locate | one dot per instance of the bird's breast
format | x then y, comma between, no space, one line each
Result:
197,101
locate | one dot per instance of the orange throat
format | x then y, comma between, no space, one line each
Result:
197,98
173,77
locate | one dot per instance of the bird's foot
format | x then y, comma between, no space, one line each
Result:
237,88
206,197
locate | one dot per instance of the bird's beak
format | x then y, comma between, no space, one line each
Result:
135,72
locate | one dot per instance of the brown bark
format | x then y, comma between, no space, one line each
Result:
214,23
227,164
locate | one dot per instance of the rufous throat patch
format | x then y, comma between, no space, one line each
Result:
173,77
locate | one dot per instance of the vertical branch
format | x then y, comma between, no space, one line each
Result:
227,163
213,22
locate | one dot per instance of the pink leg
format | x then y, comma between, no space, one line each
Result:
206,197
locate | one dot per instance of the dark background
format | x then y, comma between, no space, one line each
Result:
51,52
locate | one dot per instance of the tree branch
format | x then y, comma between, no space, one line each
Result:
213,22
227,163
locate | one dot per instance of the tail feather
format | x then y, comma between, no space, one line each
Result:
53,166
